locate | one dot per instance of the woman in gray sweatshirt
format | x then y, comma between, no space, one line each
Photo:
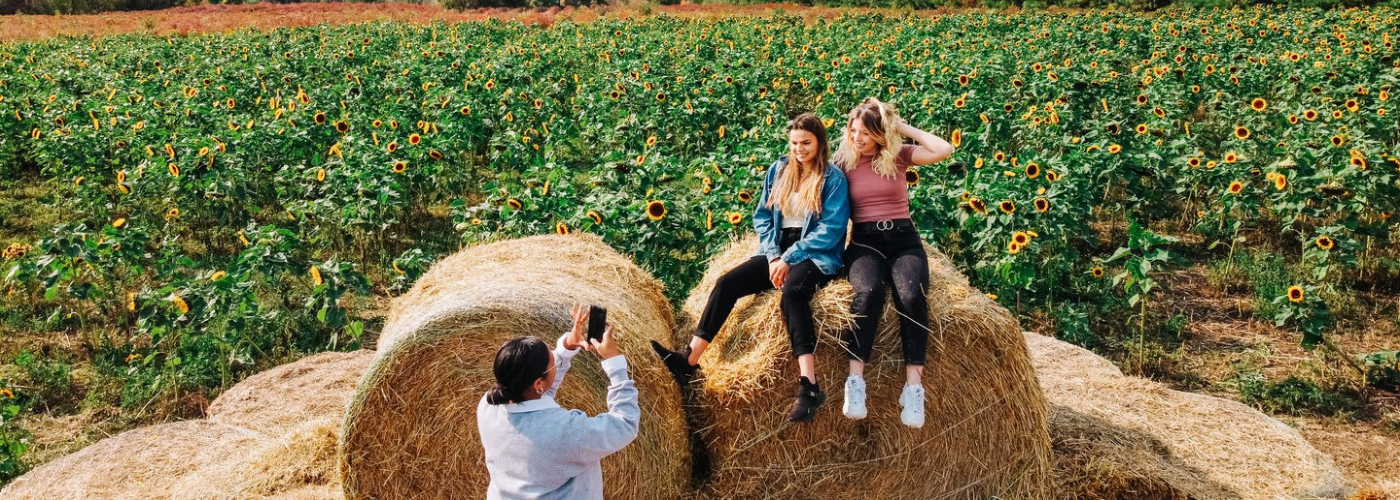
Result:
536,449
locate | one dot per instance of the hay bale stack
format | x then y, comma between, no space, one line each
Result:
411,428
1117,437
142,464
282,399
985,432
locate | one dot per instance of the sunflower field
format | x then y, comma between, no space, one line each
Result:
225,195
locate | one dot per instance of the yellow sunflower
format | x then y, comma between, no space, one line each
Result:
656,210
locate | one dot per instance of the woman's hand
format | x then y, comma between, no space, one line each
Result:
576,337
777,272
607,348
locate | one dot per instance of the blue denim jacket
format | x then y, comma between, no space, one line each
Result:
823,238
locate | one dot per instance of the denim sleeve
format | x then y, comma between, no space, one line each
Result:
763,222
831,228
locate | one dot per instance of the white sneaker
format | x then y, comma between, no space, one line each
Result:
854,407
912,399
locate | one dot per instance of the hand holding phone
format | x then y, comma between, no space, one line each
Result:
597,322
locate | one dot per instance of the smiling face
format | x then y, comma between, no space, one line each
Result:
802,145
862,138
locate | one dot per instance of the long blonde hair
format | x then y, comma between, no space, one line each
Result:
797,177
879,119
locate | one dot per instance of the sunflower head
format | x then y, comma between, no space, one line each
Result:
1236,187
1325,243
1007,206
1280,182
514,204
1042,204
1021,238
1052,176
977,205
1098,271
656,210
1241,132
319,118
1338,141
342,127
597,217
744,196
414,139
400,167
736,218
1258,104
561,228
1013,248
1032,170
911,177
1295,294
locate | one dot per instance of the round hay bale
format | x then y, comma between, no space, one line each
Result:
411,428
280,400
984,435
143,464
304,460
1117,436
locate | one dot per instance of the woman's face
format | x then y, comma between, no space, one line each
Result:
803,146
861,138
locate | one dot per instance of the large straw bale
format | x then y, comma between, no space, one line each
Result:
280,400
411,428
143,464
1117,436
303,461
985,432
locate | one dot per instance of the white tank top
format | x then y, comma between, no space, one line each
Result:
793,220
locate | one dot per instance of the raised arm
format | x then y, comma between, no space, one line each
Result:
606,433
932,148
567,346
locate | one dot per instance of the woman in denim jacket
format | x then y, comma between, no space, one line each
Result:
801,223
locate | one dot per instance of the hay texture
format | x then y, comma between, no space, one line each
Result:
143,464
302,461
283,399
411,428
1126,437
985,429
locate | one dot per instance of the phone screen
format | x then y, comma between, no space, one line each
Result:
597,322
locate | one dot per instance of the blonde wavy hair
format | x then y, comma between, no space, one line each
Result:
797,177
880,120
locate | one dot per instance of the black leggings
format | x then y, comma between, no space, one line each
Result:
750,278
875,259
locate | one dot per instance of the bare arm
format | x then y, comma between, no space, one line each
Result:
932,148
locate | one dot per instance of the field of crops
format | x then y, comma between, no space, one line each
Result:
223,193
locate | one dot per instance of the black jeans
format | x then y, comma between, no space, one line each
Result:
750,278
875,259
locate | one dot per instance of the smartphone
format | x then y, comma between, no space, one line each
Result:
597,322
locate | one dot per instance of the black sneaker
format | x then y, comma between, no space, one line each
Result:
677,362
809,398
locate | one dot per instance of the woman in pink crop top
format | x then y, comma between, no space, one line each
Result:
885,247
